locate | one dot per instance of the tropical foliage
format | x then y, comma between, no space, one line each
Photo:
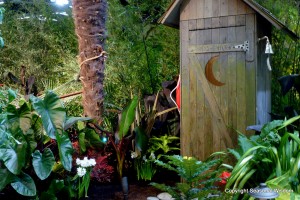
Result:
272,157
33,137
198,177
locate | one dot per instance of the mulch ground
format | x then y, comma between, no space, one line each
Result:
138,192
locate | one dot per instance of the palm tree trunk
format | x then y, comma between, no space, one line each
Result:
90,17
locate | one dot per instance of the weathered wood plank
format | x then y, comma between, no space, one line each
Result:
193,25
208,124
250,35
241,7
185,108
193,12
200,24
249,10
217,91
215,22
232,7
240,20
200,9
224,7
215,8
184,11
241,84
251,71
200,105
224,21
224,91
193,99
220,22
231,81
207,23
263,75
231,20
208,9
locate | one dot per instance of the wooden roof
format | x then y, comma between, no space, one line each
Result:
171,16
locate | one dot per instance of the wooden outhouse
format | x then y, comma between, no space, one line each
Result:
225,81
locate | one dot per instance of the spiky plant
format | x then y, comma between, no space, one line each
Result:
198,177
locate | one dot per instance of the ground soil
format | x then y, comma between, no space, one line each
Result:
138,192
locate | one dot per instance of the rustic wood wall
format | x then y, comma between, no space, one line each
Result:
210,114
263,75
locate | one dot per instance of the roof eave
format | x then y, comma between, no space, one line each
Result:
271,18
171,16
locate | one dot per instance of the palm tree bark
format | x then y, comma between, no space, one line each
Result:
89,18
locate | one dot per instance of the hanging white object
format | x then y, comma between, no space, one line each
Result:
268,51
268,63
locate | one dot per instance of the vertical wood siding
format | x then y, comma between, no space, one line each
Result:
205,22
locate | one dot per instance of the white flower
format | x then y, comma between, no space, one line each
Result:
86,162
78,161
81,171
92,162
134,154
145,158
152,156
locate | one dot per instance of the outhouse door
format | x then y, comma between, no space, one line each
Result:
218,82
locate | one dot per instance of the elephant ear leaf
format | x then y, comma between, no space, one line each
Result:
14,159
43,163
6,178
287,82
297,83
24,185
21,116
127,117
52,112
72,120
65,150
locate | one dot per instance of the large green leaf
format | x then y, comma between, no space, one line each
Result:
127,117
31,141
12,95
141,140
55,187
65,150
269,127
72,120
92,139
52,112
6,177
24,185
81,140
14,159
43,163
37,126
21,116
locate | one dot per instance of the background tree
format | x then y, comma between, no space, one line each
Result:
142,53
90,17
41,40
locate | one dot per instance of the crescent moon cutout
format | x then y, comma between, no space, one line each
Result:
209,72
